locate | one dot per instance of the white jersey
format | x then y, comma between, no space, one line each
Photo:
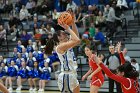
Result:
68,61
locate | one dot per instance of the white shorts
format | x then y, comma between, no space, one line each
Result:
67,82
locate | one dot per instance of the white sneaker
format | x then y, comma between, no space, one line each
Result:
18,89
34,89
40,90
10,89
30,89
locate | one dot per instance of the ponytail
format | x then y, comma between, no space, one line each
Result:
51,43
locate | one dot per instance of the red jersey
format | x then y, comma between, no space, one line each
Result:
128,85
94,66
98,78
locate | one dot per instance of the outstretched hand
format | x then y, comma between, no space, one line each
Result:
119,47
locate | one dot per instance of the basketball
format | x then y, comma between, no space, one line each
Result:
66,18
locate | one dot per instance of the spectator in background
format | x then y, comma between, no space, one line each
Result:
135,64
30,46
24,54
12,27
15,54
113,61
95,10
133,4
23,15
3,72
100,20
63,5
36,24
122,4
8,7
13,22
101,4
19,46
42,29
92,30
45,77
90,9
1,59
71,5
22,75
18,6
46,6
106,11
25,37
30,61
126,57
12,73
79,15
29,6
19,60
111,28
55,15
2,34
49,29
44,20
99,38
35,77
2,6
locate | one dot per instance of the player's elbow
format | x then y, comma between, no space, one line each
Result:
78,41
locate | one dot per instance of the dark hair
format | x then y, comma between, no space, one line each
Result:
91,48
51,43
129,70
101,54
133,60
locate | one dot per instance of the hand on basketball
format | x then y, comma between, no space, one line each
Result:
62,24
73,16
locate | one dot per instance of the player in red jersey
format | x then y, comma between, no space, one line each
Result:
94,72
127,74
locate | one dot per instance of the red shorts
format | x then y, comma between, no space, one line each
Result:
96,81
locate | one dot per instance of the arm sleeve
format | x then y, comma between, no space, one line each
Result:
124,81
122,58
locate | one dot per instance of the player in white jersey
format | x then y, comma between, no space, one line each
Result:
67,79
